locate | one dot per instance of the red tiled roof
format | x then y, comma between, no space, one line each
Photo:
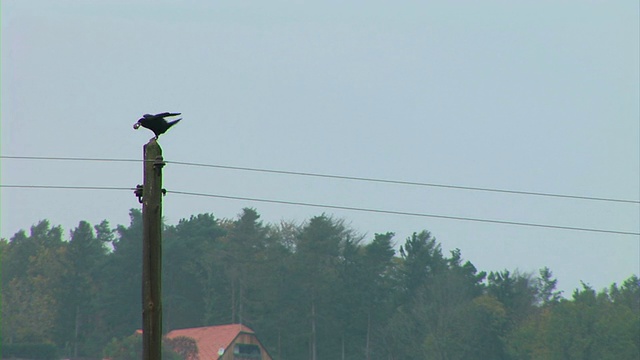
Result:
210,339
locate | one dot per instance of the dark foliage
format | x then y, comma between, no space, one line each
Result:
315,290
35,351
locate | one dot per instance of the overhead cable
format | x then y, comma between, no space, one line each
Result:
402,182
405,213
338,207
66,187
341,177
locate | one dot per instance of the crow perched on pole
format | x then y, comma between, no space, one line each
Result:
156,123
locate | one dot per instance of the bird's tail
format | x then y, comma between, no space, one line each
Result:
171,123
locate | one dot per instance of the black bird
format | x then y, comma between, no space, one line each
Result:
156,123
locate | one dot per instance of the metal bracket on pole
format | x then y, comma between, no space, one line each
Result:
158,164
139,192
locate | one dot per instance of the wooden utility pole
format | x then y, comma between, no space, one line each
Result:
152,252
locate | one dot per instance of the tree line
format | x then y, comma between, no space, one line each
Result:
316,290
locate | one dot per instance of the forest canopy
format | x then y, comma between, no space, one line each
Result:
313,287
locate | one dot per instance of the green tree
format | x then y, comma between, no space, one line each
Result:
77,323
628,294
22,247
449,309
377,282
516,291
315,264
546,288
184,346
191,274
258,262
121,299
470,330
277,285
243,258
589,326
350,310
32,270
421,261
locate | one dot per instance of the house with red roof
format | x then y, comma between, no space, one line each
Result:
224,342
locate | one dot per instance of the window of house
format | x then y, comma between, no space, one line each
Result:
246,352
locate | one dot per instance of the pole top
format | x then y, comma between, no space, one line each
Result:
152,149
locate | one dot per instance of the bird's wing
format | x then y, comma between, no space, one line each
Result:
165,114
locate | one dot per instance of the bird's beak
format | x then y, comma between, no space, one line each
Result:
136,125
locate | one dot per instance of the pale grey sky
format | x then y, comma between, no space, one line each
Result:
536,96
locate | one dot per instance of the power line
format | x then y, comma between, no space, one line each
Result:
338,207
61,158
67,187
405,213
401,182
341,177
